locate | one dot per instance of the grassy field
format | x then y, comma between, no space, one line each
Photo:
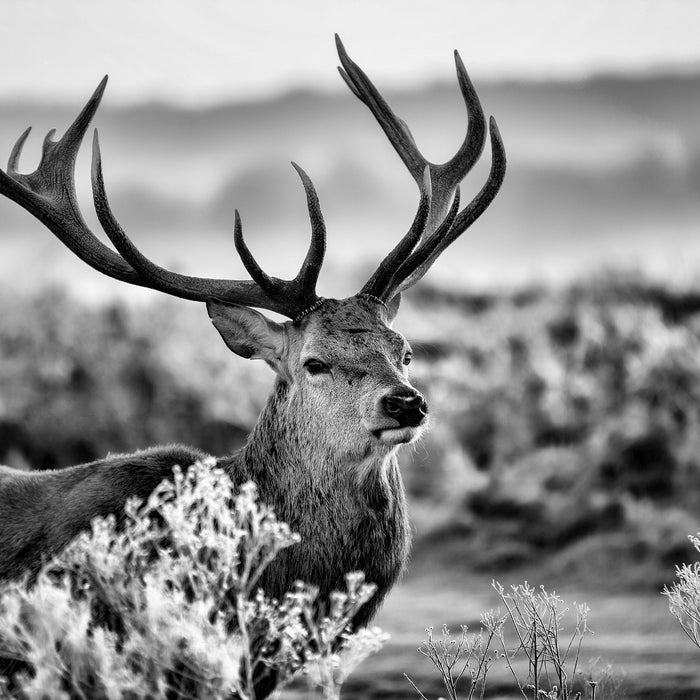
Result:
564,447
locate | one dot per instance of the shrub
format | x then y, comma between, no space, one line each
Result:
684,596
468,657
550,654
165,605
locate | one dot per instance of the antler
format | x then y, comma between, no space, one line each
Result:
437,223
49,195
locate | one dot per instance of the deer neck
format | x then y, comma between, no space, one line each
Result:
284,455
349,510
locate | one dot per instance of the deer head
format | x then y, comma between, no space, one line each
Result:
343,369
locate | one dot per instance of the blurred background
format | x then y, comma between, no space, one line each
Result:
558,340
597,105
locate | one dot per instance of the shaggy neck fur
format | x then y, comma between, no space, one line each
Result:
349,510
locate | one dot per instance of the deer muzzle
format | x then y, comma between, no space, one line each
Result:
407,407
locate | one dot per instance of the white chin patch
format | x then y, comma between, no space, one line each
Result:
397,436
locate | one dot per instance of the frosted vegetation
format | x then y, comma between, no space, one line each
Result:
684,596
166,605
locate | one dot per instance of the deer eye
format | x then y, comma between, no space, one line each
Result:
314,366
408,357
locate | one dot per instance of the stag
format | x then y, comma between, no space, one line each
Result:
324,450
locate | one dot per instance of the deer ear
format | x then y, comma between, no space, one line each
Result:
392,307
248,333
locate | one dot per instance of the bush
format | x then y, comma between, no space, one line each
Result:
166,605
530,638
684,596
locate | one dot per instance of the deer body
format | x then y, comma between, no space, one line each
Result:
323,452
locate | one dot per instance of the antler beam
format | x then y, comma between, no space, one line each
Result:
49,195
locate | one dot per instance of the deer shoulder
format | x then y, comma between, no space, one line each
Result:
43,511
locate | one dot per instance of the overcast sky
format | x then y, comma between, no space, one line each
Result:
196,51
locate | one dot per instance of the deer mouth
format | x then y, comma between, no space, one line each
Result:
397,436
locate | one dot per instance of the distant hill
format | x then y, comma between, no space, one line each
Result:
603,171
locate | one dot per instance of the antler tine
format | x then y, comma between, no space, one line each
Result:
396,130
420,255
379,282
16,152
420,261
311,267
304,284
249,262
458,167
49,193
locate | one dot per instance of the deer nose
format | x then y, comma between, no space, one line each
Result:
407,407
